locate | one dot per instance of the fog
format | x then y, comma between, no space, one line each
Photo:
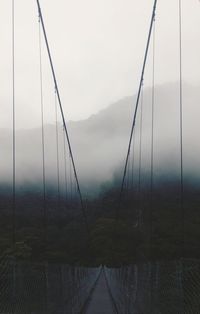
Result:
100,142
97,48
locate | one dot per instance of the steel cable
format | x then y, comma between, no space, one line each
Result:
136,106
13,134
63,118
181,130
42,138
57,152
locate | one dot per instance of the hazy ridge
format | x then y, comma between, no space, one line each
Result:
100,142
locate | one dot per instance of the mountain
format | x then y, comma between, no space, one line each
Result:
100,142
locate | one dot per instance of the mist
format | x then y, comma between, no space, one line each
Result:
100,143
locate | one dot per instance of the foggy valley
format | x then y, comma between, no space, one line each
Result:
100,142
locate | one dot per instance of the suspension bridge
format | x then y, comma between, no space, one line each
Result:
51,258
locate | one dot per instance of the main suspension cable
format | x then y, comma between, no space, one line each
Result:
137,104
62,115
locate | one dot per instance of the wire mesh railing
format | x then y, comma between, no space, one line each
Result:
156,287
42,288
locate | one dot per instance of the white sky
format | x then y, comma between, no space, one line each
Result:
97,48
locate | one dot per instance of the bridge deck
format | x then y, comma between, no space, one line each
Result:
100,302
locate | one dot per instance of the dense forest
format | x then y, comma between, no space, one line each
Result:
146,227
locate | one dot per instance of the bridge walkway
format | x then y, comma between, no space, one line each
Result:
100,301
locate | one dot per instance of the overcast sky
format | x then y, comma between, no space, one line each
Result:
97,48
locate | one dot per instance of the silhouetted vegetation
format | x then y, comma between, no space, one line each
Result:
147,228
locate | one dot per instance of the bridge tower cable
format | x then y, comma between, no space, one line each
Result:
63,116
136,105
181,131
